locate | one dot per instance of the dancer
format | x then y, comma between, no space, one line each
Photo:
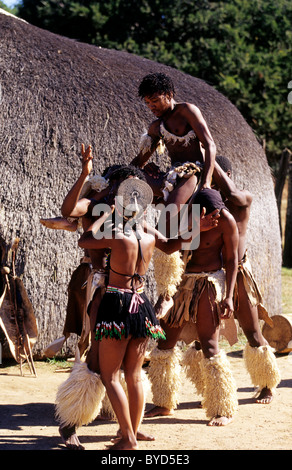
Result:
78,399
203,299
126,318
181,129
258,355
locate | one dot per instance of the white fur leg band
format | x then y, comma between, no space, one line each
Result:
79,398
165,376
262,366
220,392
168,271
191,363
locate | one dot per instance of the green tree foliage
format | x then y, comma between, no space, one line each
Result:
240,47
6,8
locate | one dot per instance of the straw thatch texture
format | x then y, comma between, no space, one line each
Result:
57,93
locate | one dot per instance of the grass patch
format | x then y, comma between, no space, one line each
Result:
286,272
9,365
286,290
223,343
58,363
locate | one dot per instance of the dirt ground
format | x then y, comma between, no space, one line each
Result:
27,415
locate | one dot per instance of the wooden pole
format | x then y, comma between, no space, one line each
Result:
281,178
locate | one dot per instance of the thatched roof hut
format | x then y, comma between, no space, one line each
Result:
57,93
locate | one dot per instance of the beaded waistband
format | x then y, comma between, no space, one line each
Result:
121,290
136,299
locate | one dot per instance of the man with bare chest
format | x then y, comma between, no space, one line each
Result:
204,298
259,358
182,130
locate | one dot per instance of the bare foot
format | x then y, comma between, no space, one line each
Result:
70,438
265,397
141,436
124,444
158,411
220,421
59,223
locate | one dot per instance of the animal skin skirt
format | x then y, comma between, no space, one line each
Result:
123,312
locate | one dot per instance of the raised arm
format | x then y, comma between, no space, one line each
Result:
229,189
199,125
167,245
72,206
230,256
170,245
89,239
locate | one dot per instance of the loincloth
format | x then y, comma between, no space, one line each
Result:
252,291
76,305
188,295
186,302
97,279
177,172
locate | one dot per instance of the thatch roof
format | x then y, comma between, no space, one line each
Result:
58,93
